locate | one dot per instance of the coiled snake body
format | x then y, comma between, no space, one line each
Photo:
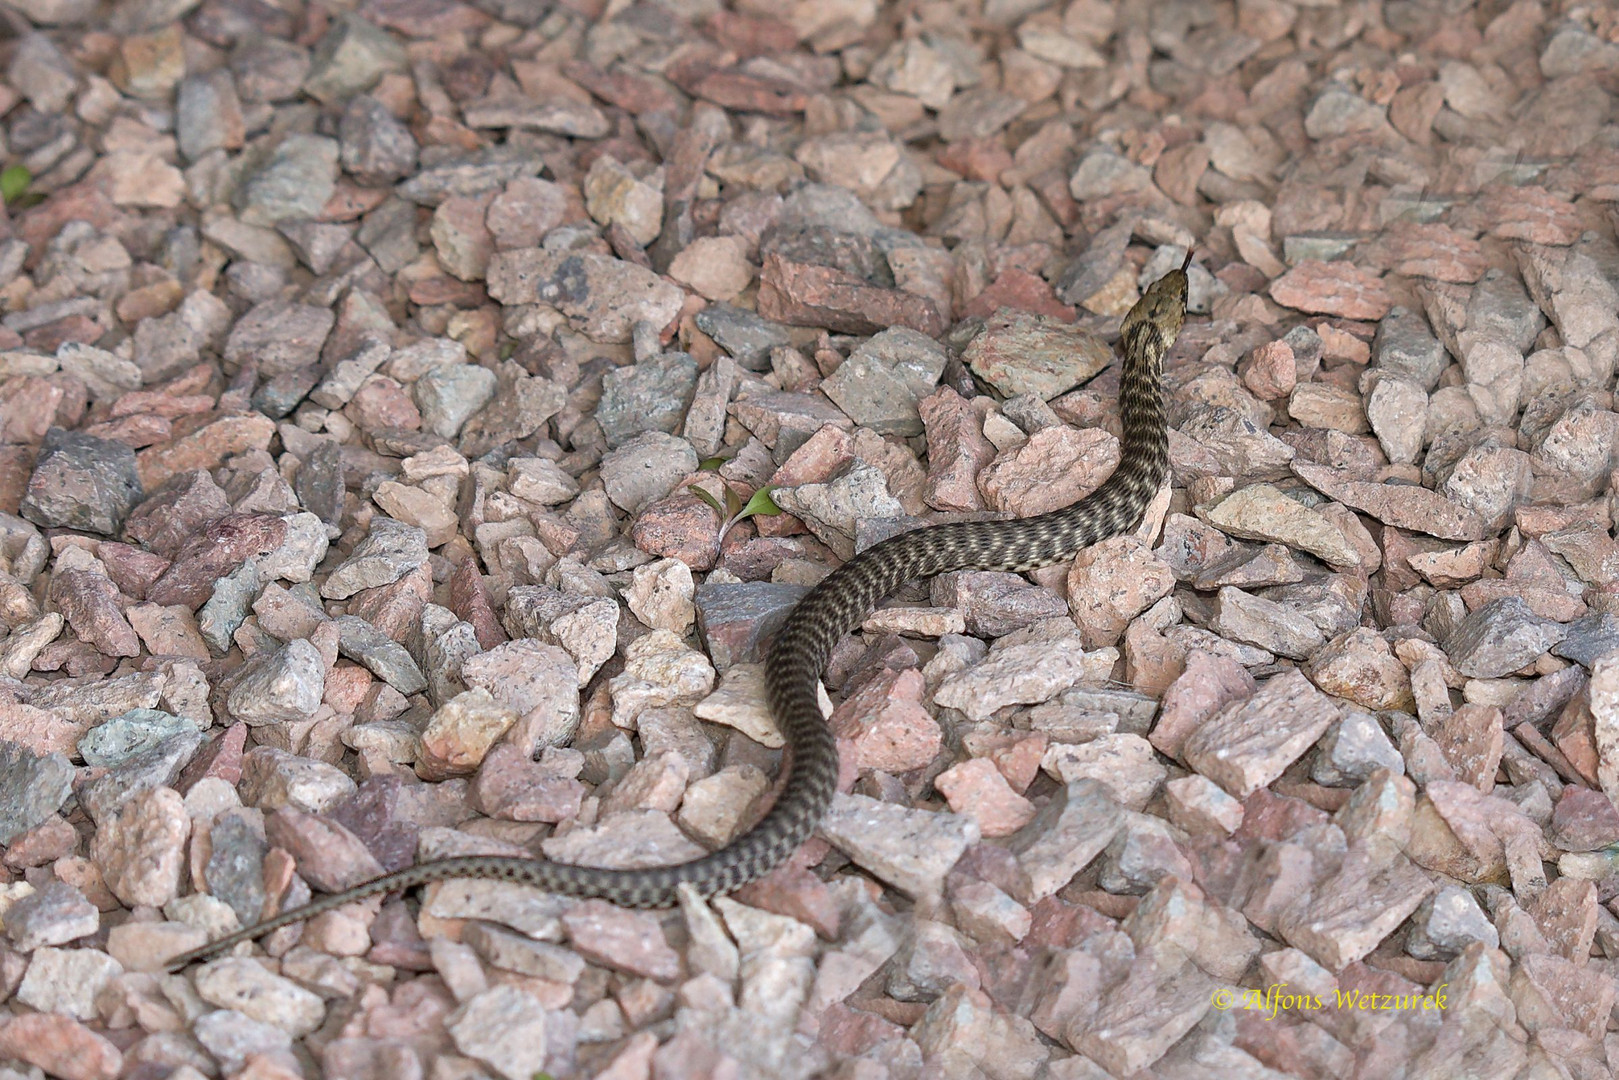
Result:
834,607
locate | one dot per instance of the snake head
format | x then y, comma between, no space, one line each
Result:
1162,306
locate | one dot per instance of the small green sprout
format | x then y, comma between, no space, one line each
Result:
14,191
735,510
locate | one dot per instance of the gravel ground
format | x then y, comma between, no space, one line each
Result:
371,383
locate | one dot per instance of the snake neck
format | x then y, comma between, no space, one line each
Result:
1144,449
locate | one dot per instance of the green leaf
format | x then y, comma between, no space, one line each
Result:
711,464
733,502
762,503
13,182
709,499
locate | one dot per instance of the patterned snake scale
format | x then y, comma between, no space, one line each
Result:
831,609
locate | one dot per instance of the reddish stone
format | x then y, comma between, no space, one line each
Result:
350,202
28,406
510,785
84,201
633,93
887,723
61,1046
1335,288
89,603
16,466
131,569
751,35
444,289
221,547
469,599
804,294
171,516
1429,250
203,442
134,431
221,757
977,159
749,93
679,526
1530,213
1018,289
793,891
46,842
53,335
395,608
425,19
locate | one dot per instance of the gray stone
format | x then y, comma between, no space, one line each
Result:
317,243
1500,307
880,383
379,654
269,69
1338,110
388,235
602,297
1447,923
296,181
284,685
82,482
1501,637
232,1036
135,732
521,406
207,115
344,379
1353,749
646,468
1589,639
1069,831
236,864
1020,353
55,915
350,58
652,395
832,510
106,374
32,788
390,550
41,73
1407,349
376,148
1104,172
279,336
166,346
912,850
503,1027
284,392
484,170
736,619
319,482
746,336
450,394
223,614
1397,410
158,767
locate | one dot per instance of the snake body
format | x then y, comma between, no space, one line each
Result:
835,606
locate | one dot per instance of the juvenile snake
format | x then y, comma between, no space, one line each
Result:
835,606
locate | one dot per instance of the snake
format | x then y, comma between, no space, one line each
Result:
800,649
